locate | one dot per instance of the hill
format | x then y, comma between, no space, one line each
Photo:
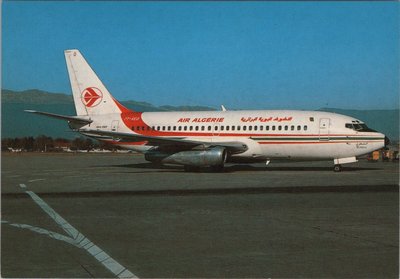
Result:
34,96
17,123
384,121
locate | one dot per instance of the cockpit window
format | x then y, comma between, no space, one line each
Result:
348,125
359,127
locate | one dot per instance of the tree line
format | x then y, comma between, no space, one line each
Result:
48,144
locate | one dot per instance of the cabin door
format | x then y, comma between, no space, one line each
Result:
324,124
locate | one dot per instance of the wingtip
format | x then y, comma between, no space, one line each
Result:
71,50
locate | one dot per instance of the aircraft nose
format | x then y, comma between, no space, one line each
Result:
387,141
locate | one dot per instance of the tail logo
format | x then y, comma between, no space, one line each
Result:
91,97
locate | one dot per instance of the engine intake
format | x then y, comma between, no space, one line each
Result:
212,157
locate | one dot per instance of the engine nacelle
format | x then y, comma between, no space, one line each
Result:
212,157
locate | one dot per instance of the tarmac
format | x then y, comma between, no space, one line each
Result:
115,215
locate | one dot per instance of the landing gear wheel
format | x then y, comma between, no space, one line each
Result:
337,168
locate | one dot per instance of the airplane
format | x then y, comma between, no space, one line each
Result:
196,139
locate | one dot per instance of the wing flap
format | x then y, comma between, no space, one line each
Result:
233,146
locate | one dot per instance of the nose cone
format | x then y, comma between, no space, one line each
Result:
387,141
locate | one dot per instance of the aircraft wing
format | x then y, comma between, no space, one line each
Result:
233,146
75,119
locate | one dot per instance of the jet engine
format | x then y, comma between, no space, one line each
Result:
212,157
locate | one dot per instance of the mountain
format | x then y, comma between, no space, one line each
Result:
38,97
34,96
384,121
17,123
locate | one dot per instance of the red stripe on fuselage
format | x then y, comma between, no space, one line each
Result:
315,142
134,120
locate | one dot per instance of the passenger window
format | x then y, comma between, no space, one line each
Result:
209,128
222,128
255,128
292,127
216,128
267,128
286,128
163,128
238,128
190,128
261,128
174,128
305,127
158,128
298,128
185,128
244,128
279,127
169,128
196,128
273,128
250,128
153,128
227,128
179,128
233,128
202,128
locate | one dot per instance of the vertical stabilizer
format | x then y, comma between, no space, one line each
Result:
91,97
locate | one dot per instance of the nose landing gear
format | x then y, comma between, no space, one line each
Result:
339,161
337,168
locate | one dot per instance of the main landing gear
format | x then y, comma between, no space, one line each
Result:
337,168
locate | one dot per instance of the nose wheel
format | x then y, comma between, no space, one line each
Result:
337,168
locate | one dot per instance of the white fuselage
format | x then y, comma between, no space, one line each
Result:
268,134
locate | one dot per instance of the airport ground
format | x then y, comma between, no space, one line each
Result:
285,220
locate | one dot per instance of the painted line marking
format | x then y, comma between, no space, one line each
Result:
76,238
39,179
51,234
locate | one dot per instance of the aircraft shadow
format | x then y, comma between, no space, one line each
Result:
218,191
240,168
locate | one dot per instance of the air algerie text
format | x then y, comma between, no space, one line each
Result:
265,119
201,120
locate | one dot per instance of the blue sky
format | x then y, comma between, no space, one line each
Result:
257,55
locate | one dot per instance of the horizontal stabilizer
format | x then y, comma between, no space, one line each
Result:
75,119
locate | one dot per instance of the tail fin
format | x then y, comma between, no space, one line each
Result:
91,97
